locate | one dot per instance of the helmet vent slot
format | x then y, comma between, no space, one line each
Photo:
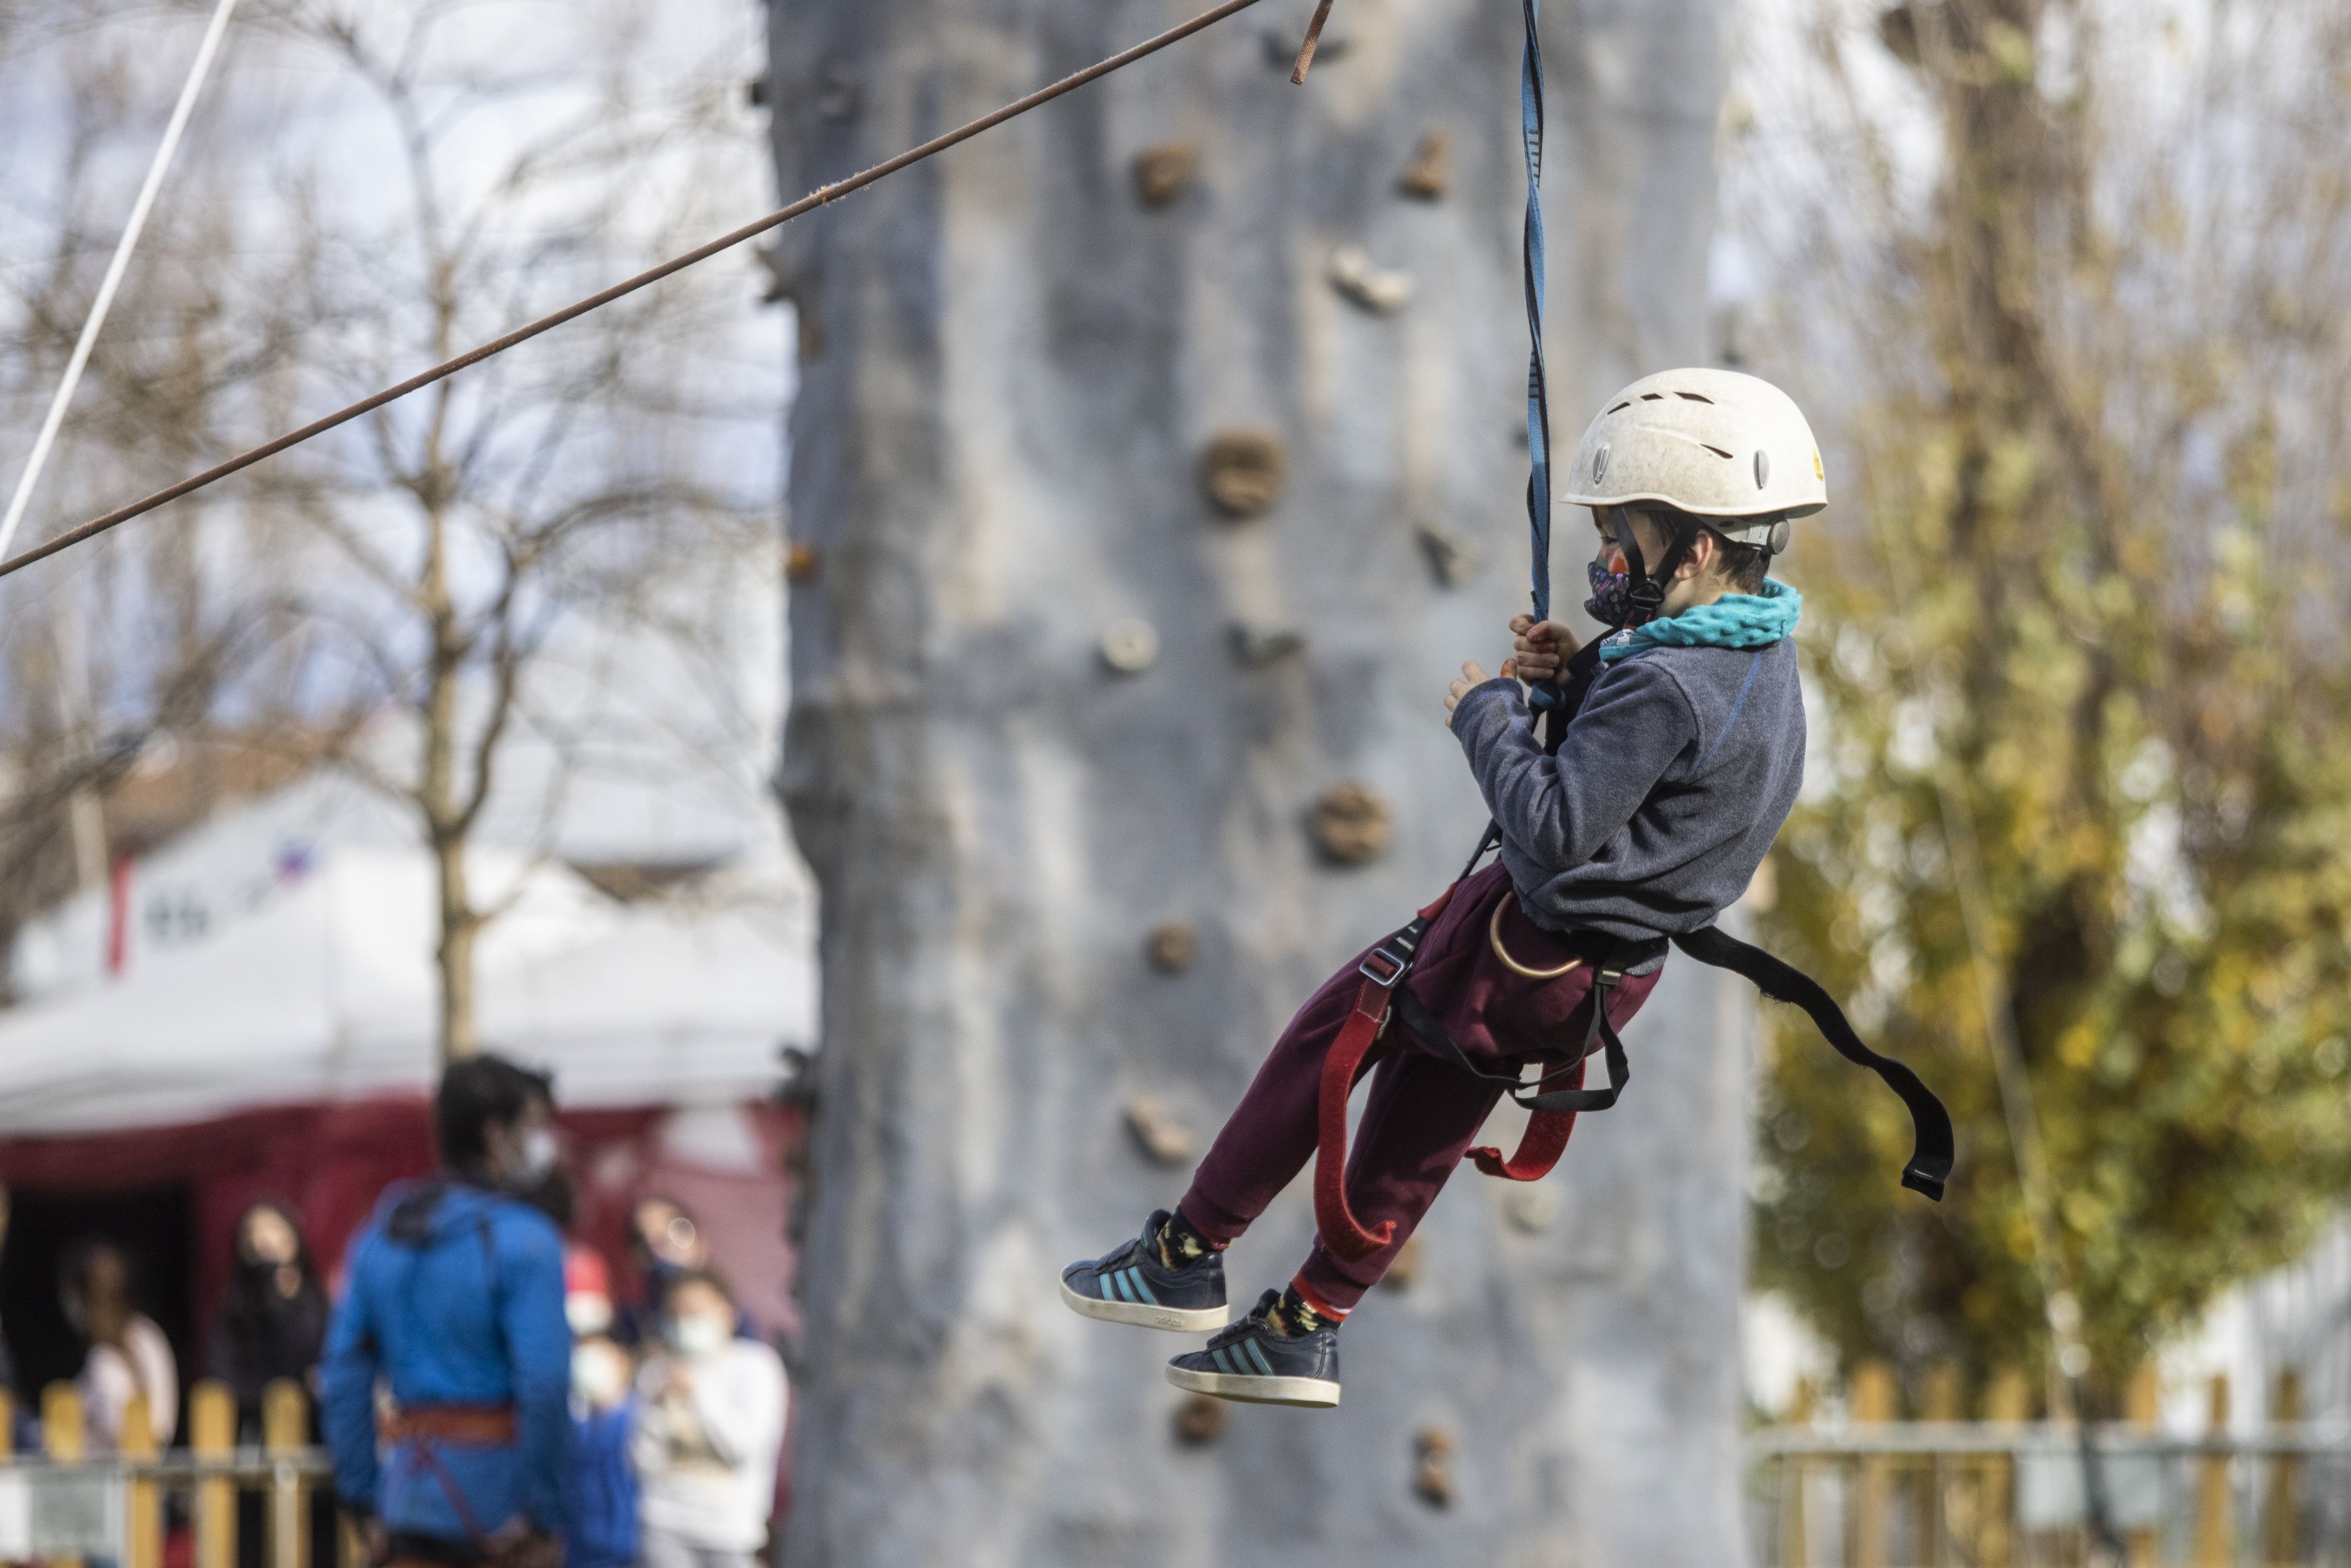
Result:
1718,451
1653,397
1695,397
1619,408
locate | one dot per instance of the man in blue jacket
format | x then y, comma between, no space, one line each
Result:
454,1303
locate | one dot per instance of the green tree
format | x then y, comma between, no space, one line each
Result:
2078,645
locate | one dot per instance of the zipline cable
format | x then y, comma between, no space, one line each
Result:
823,196
47,440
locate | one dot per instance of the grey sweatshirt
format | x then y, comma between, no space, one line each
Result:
1664,799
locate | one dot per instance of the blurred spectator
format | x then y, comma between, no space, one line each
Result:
455,1302
604,1422
272,1325
128,1357
587,1293
274,1322
27,1433
663,1243
8,1356
710,1430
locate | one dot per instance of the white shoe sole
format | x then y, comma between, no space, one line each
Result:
1173,1320
1313,1392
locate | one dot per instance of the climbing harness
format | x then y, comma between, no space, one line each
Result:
823,196
1384,998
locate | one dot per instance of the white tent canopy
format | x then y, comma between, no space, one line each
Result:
326,990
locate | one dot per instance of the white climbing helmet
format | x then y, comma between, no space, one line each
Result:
1712,443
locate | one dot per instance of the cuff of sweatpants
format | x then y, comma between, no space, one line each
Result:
1210,1218
1339,1285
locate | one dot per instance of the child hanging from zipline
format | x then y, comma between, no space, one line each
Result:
1676,747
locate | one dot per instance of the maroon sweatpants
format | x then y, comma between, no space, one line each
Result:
1423,1111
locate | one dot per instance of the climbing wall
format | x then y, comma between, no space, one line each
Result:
1157,460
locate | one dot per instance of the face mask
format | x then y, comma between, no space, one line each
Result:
598,1375
1610,603
588,1313
699,1335
537,1158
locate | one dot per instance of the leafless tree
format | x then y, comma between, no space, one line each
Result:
420,576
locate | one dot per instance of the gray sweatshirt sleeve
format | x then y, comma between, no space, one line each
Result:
1557,811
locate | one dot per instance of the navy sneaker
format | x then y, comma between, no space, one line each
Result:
1132,1286
1250,1361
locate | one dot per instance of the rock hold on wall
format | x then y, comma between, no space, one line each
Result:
1170,946
1163,173
1430,172
1353,825
1243,472
1377,290
1129,646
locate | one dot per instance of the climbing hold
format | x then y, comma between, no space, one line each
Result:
1200,1419
1430,173
779,285
1432,1474
1452,558
837,98
1129,646
1353,825
1531,1209
1258,646
1376,290
1243,471
802,562
1406,1270
1157,1132
1283,56
1163,173
1170,946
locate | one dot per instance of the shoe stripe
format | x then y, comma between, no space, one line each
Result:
1219,1356
1119,1283
1257,1356
1140,1287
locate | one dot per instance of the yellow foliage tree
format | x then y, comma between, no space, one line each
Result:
2078,643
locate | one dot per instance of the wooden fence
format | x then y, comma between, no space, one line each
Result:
65,1504
2004,1491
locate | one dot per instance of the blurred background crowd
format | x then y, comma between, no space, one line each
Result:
657,1336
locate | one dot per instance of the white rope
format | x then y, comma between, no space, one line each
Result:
114,271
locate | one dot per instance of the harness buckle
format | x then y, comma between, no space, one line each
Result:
1387,963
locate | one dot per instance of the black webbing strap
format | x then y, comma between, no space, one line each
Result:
1931,1156
1625,957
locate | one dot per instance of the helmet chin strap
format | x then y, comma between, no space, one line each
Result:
1645,593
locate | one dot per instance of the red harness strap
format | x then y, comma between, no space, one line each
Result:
1539,1146
1340,1231
1384,970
